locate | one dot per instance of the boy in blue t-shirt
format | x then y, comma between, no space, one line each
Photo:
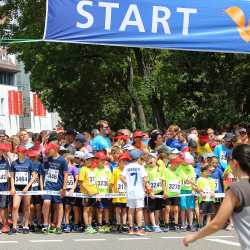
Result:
56,177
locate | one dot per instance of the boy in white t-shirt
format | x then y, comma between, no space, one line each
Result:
134,177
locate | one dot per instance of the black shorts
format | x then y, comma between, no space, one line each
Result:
4,201
174,201
69,201
88,202
154,204
36,200
19,187
206,208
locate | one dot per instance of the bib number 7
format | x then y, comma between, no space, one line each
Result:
135,175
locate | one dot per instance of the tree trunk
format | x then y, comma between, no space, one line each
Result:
132,118
134,96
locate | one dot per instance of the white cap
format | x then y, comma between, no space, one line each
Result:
88,156
79,154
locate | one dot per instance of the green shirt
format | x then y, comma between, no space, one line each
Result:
173,182
155,178
186,172
103,178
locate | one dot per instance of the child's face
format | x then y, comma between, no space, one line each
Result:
214,162
204,173
151,162
101,163
77,161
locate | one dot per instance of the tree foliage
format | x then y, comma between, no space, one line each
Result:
85,83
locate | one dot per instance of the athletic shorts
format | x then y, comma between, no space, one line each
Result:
19,187
135,203
206,208
187,202
88,202
104,203
69,201
36,200
174,201
120,205
153,204
4,201
53,198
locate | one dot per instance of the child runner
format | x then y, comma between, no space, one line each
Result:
157,181
88,186
119,188
23,175
134,177
103,178
4,177
70,202
206,186
55,180
173,183
187,203
36,206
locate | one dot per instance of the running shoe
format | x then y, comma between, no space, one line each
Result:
107,229
148,229
101,229
75,228
140,232
52,230
45,229
176,229
157,229
165,229
191,228
13,231
183,229
26,230
5,229
131,231
58,230
67,229
90,230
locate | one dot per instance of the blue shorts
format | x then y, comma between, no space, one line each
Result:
52,198
104,203
187,202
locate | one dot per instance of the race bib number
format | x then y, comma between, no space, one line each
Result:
36,182
3,176
121,187
52,175
91,177
174,187
207,192
70,182
102,182
21,178
223,158
156,184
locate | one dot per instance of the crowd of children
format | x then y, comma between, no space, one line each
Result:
160,181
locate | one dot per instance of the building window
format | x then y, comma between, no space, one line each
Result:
1,106
6,78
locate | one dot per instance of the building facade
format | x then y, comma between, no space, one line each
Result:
19,106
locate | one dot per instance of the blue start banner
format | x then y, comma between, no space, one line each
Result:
214,25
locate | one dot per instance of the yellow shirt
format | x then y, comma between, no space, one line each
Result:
87,181
204,149
118,186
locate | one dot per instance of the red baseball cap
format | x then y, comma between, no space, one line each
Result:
51,146
176,161
203,138
5,147
121,138
32,153
21,149
125,157
138,134
101,155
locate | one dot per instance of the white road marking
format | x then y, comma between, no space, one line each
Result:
139,238
226,242
79,240
174,237
45,241
8,242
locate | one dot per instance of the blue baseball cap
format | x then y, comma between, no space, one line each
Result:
135,154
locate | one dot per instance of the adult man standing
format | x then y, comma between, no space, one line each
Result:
224,150
101,141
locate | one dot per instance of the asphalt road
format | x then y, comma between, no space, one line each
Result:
75,241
